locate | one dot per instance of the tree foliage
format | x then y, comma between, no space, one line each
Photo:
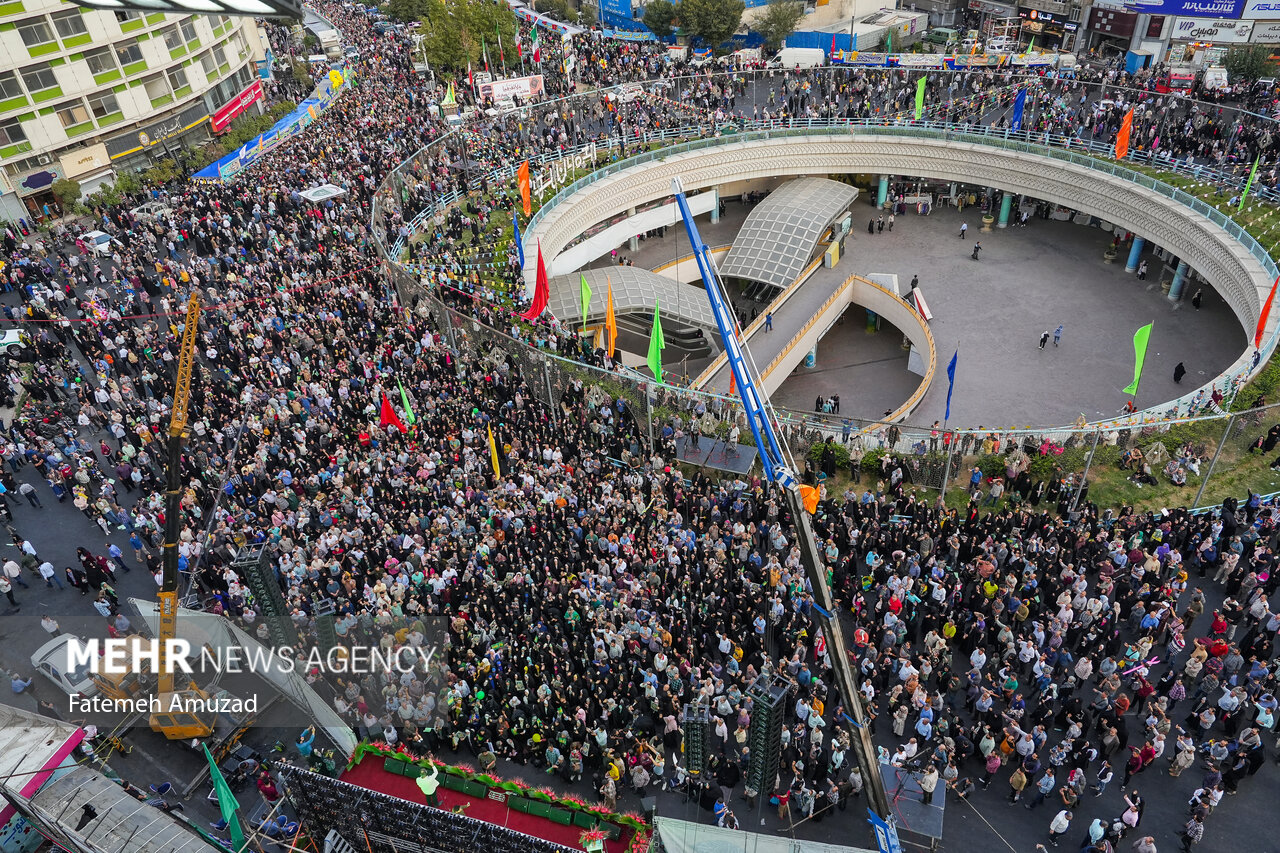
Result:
558,9
713,21
660,17
457,31
778,21
407,10
1248,62
67,192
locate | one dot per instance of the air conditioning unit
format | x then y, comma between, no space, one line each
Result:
44,159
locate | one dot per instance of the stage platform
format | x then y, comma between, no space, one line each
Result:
369,773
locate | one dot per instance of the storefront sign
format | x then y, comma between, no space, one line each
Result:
222,119
1198,8
1261,10
128,142
1266,32
85,161
1207,30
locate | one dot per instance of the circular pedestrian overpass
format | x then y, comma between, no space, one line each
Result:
1218,248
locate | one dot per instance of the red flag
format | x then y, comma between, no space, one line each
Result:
832,52
389,416
1122,138
1262,318
541,290
731,388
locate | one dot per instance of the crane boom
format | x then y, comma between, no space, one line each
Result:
168,594
778,470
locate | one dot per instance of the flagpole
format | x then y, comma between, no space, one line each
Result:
1088,463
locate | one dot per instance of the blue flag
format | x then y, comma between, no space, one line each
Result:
951,383
515,223
1019,104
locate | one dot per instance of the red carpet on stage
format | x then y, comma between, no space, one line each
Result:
370,774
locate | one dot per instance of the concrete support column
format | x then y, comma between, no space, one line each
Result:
1006,204
634,243
811,358
1179,278
882,194
715,208
1135,255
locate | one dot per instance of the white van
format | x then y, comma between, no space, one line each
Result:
798,57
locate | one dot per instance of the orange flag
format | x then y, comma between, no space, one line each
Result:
522,180
610,321
809,494
1122,138
731,385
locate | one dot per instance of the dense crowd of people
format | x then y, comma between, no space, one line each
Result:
586,602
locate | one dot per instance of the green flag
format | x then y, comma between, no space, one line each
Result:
919,97
888,41
1140,339
410,418
585,290
1253,173
656,344
226,803
1031,45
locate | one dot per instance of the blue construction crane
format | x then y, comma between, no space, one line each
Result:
778,469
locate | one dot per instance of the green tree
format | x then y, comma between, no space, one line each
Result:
713,21
1248,62
457,31
558,9
778,21
407,10
660,17
67,192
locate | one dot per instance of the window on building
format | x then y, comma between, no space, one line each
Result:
35,32
177,77
100,61
38,78
188,27
11,132
72,114
157,87
219,55
103,105
207,64
70,24
128,53
9,86
172,38
128,15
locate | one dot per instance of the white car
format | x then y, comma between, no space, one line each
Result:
50,660
151,210
12,344
99,242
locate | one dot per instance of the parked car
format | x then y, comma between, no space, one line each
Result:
50,660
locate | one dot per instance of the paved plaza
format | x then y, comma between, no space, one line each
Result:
1028,280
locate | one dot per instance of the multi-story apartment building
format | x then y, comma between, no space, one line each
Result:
88,94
